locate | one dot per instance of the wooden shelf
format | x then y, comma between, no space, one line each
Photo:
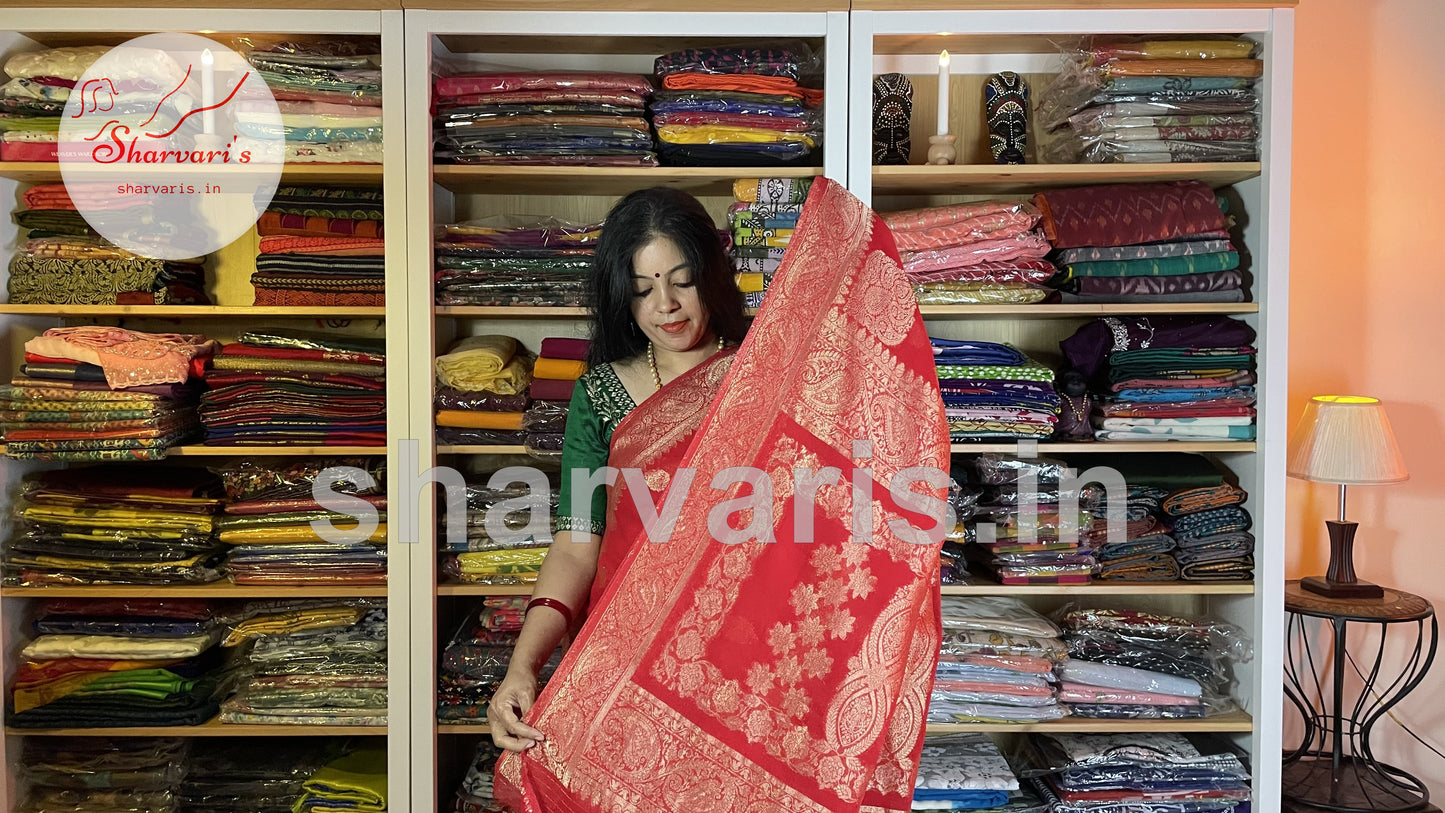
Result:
508,312
990,178
274,451
1083,311
1102,589
210,729
1100,447
1234,722
484,589
49,172
216,590
194,311
481,450
608,181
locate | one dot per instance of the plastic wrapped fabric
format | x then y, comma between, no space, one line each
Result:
996,469
947,712
998,614
792,60
974,642
977,293
1109,676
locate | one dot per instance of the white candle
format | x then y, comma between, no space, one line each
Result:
943,93
208,91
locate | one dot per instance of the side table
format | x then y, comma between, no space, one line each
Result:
1334,768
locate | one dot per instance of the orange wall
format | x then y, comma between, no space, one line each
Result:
1367,298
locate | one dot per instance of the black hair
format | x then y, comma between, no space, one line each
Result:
635,221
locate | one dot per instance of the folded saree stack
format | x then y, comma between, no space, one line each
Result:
329,96
1211,528
474,794
740,106
253,775
761,221
983,252
967,772
481,395
1128,773
269,516
321,247
1023,532
114,663
101,774
355,782
65,263
539,262
310,663
511,553
279,387
996,663
545,118
1168,378
1144,551
33,99
476,660
994,390
1142,243
103,393
1127,664
560,363
116,524
1155,102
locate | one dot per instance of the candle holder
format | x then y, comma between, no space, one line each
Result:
941,150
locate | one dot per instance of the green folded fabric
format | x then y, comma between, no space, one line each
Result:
1160,267
1033,371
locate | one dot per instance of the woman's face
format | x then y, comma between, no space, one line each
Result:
664,297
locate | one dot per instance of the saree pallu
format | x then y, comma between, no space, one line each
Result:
829,717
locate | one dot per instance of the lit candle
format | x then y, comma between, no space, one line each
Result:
943,93
208,91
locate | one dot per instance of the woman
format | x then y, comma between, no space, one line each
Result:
789,671
665,304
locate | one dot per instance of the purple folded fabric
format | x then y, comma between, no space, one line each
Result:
1091,344
559,348
1179,284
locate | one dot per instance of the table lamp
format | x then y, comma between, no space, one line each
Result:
1344,439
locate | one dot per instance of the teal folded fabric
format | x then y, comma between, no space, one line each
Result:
1159,267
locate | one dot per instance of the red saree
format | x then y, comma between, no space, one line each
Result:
767,678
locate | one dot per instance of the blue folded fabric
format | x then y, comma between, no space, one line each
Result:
964,799
1162,395
1192,527
949,351
726,106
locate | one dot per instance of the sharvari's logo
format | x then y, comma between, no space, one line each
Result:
171,146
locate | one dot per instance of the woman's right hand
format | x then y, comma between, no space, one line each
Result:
513,698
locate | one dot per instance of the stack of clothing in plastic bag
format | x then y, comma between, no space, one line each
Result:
310,663
538,262
1129,773
481,392
111,663
966,772
321,247
994,390
355,782
282,386
103,393
562,361
513,556
996,663
329,97
761,222
1024,527
1129,664
1142,243
268,520
100,774
1155,102
544,118
985,252
475,794
117,524
253,775
476,659
1138,547
737,106
65,263
1168,378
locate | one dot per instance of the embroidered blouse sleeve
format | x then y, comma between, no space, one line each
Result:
585,446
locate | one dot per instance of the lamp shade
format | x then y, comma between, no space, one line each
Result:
1345,439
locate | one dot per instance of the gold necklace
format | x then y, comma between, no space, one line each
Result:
652,362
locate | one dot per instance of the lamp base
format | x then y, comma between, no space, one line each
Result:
1349,590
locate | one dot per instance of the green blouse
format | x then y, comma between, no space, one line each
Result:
599,403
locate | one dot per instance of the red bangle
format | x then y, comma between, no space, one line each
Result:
554,604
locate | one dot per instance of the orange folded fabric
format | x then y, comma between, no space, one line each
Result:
275,223
559,369
476,419
742,83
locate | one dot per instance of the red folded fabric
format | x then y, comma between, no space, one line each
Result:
335,246
545,80
559,348
547,389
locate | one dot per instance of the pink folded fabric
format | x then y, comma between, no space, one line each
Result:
933,216
548,80
998,688
1029,245
987,227
1079,693
1030,272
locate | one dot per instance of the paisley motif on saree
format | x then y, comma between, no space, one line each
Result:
784,676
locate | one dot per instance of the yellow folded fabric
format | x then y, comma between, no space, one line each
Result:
1192,49
750,281
492,363
294,535
513,378
502,562
356,781
481,355
478,419
130,518
294,621
720,134
559,369
1186,67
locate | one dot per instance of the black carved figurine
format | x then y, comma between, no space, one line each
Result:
892,115
1006,109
